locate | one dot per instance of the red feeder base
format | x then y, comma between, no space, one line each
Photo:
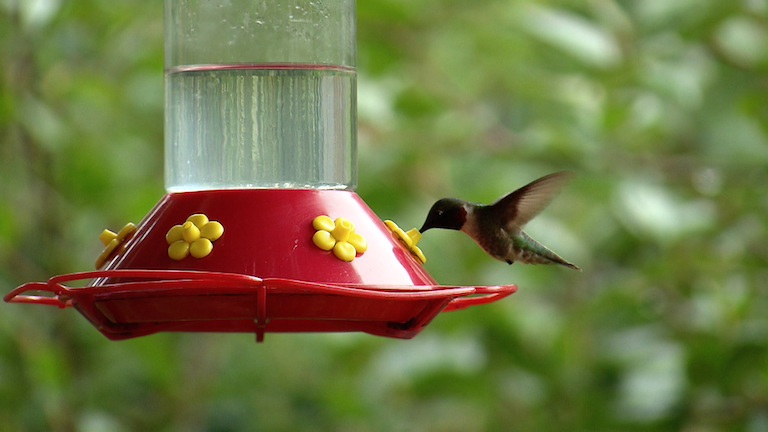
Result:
263,274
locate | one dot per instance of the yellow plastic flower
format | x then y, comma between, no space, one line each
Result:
409,239
113,242
339,236
194,237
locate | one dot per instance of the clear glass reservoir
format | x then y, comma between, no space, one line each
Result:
260,93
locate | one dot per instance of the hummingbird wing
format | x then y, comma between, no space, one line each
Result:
522,205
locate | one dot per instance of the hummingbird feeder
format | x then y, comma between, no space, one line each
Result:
260,229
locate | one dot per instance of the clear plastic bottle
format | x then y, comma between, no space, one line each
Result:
260,94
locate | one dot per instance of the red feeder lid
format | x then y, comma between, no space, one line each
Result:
268,271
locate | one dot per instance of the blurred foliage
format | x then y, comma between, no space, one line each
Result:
660,106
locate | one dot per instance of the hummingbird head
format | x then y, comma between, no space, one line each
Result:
448,213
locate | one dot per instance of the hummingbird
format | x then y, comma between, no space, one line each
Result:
497,227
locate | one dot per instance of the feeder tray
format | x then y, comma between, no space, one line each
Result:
263,274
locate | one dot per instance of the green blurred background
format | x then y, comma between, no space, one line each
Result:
660,106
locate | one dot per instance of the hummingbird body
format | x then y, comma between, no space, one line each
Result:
497,228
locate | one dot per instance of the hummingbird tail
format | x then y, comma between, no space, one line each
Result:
567,264
533,252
